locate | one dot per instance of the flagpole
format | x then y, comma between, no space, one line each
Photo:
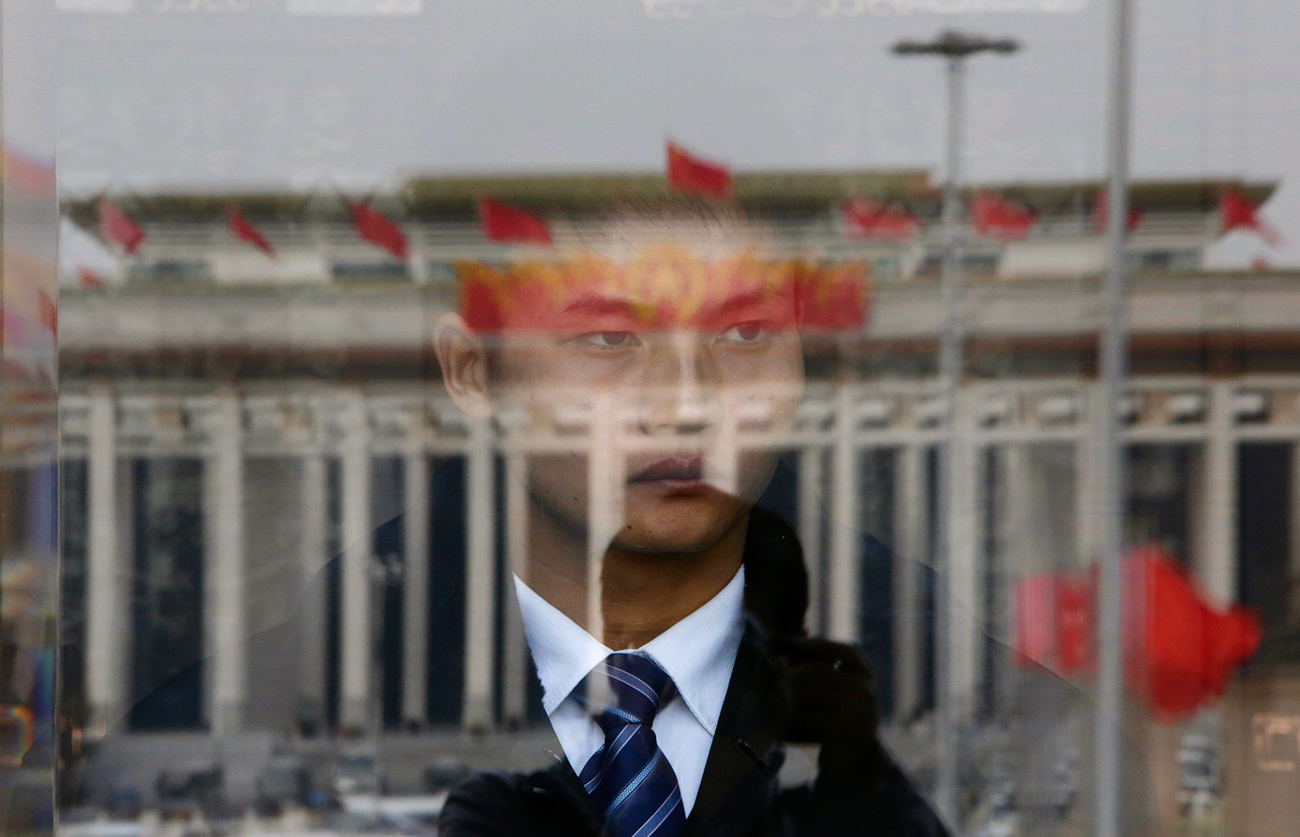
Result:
951,362
955,48
1114,338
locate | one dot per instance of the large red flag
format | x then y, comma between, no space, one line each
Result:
1187,650
1179,650
1102,211
115,225
693,175
866,218
242,229
377,228
1237,212
512,225
997,217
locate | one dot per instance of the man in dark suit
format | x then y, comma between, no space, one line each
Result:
650,365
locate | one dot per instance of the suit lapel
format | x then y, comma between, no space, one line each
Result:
745,754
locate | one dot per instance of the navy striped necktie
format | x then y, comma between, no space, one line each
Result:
628,778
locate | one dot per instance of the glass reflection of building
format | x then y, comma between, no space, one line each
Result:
255,448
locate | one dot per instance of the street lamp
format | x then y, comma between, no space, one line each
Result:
955,47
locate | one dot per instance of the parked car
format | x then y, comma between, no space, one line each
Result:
284,781
444,774
193,784
357,772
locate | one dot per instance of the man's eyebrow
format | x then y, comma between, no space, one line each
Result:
592,304
738,302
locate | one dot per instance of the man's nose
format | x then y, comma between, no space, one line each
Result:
681,393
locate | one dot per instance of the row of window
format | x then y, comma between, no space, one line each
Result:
888,268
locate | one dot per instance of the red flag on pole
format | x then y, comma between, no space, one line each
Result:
115,225
377,228
1180,651
866,218
1102,211
997,217
1237,212
690,174
242,229
1186,650
511,225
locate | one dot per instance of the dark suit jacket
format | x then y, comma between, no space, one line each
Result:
738,794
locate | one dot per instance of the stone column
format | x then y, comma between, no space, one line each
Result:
1013,553
1089,502
480,582
514,647
1216,550
843,582
811,492
356,652
1293,600
965,565
312,540
415,587
107,605
910,551
225,613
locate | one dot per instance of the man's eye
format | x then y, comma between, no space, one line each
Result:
745,334
608,340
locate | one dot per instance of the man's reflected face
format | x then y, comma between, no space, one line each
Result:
683,360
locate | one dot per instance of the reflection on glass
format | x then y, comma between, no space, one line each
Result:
372,453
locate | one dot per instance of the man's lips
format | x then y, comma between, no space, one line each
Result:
678,469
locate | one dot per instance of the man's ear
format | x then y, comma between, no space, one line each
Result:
463,359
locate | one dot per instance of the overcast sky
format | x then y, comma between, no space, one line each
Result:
224,92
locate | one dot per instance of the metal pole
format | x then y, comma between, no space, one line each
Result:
950,374
1110,672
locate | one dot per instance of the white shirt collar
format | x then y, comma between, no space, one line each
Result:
698,652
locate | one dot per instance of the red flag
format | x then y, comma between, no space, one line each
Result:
997,217
242,229
1179,651
377,228
1186,650
1236,212
511,225
115,225
1102,211
690,174
866,218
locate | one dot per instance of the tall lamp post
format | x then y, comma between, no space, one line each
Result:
954,47
1107,779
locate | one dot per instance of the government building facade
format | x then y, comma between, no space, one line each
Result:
274,519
